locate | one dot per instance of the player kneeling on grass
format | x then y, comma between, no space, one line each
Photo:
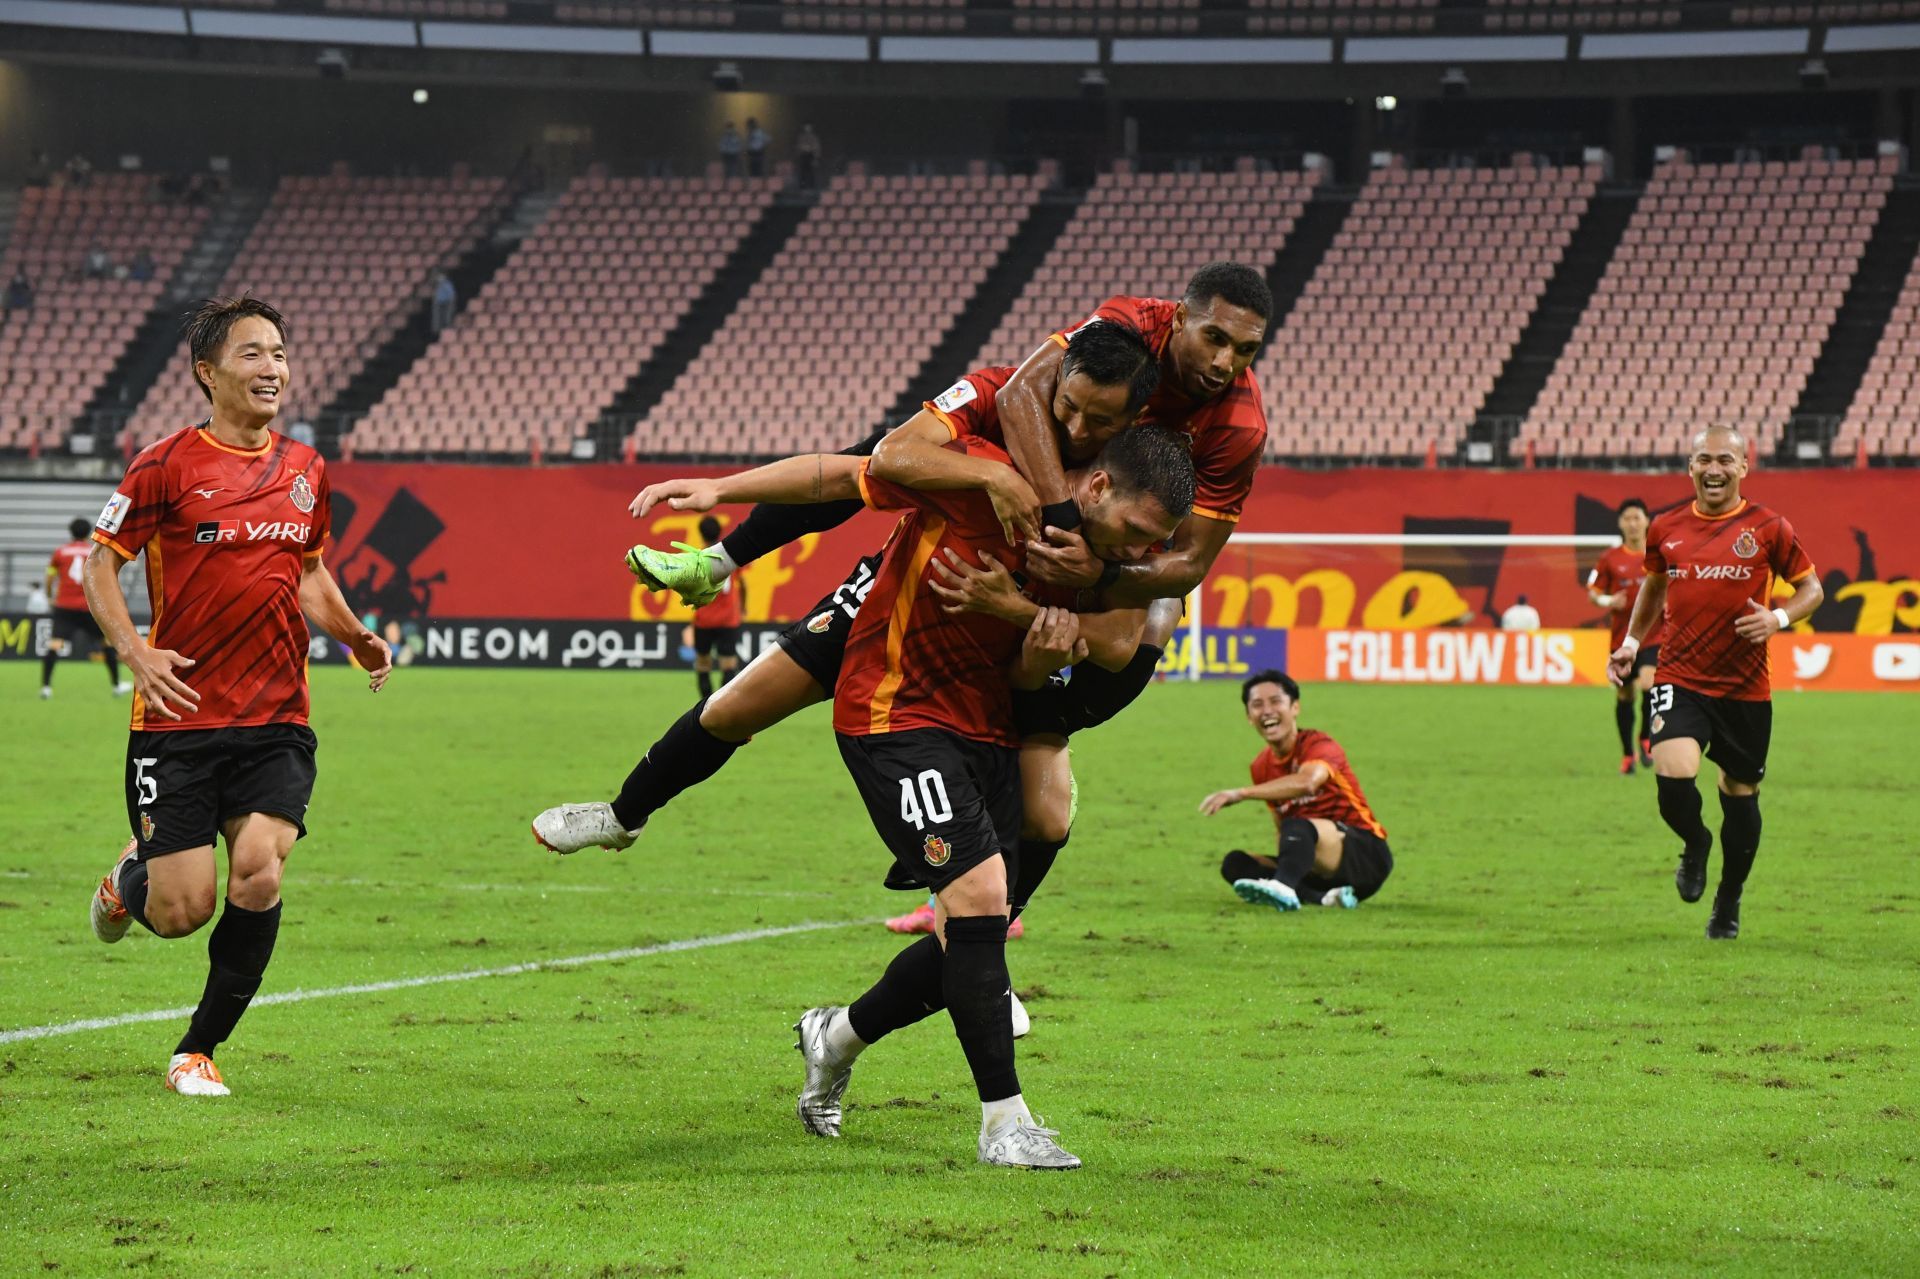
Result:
1333,851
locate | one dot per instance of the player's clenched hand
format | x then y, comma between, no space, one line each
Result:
1620,665
681,495
963,588
153,678
1016,506
1064,560
1053,641
1755,625
1219,800
375,656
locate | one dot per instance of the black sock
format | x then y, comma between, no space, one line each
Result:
1240,864
1739,841
911,990
1299,840
46,668
705,680
1097,694
1623,720
770,526
113,667
1680,809
133,893
977,987
685,755
237,955
725,675
1036,859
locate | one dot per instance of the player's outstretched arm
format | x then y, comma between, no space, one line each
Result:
811,477
915,455
320,599
1646,609
1025,405
152,668
1064,560
1308,781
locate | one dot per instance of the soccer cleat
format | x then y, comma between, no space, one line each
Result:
827,1075
1021,1022
1023,1143
122,689
1724,923
108,916
917,920
1626,766
1690,877
195,1075
572,827
1267,892
45,692
1342,897
686,571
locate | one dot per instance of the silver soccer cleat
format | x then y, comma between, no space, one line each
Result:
1023,1143
827,1075
572,827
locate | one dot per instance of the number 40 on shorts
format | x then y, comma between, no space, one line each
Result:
923,799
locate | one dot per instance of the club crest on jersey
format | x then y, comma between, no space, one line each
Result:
1745,546
302,495
819,622
146,827
937,851
1657,723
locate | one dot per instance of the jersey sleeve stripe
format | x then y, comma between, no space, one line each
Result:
1359,806
1059,339
1222,516
866,494
104,540
953,432
880,709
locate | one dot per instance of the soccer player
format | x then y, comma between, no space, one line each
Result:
1711,568
1332,849
1613,585
716,626
233,519
72,624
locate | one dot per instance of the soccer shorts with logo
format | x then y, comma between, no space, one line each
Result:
818,641
182,785
1735,734
721,641
941,802
73,626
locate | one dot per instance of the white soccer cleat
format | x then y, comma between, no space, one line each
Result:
572,827
46,692
1023,1143
1267,892
108,915
1342,897
122,689
195,1075
827,1074
1021,1022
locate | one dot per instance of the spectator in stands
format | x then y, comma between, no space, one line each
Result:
1521,617
40,172
445,296
730,146
303,433
806,150
99,266
79,170
19,291
756,149
142,267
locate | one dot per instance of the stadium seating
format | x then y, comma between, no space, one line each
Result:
562,327
1143,234
1714,306
348,259
1415,308
844,316
55,357
1885,415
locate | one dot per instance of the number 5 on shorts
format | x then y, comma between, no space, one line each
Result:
148,787
930,805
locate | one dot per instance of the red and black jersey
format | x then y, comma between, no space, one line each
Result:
724,612
1620,570
1716,565
226,534
908,663
67,564
970,407
1228,433
1340,799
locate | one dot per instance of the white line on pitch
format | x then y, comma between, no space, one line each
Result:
436,979
327,881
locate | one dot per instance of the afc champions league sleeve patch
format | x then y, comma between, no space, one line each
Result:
961,392
1745,546
114,514
302,495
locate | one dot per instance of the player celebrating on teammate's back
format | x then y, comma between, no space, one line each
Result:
72,624
1711,567
1614,584
233,519
1332,850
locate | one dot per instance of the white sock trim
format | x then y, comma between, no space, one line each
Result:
723,565
995,1113
840,1037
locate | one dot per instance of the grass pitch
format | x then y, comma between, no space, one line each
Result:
1522,1057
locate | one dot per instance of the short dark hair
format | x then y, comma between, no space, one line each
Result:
79,529
709,529
1284,680
1234,283
1154,461
207,327
1111,355
1628,505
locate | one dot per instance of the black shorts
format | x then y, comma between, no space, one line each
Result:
941,802
721,641
1734,733
72,625
1365,861
818,641
1646,659
182,785
1088,698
